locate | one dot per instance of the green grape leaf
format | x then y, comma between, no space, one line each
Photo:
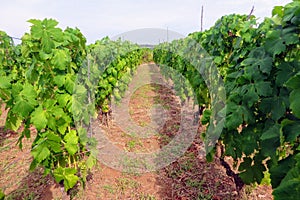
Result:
249,95
29,93
82,134
286,70
62,127
275,44
272,132
71,140
206,117
91,161
295,102
69,83
5,82
67,175
13,122
291,131
54,146
45,56
26,101
63,99
263,88
247,163
46,32
289,187
294,82
39,118
279,171
236,115
40,152
23,108
249,140
258,60
53,137
61,59
274,106
59,80
278,108
291,38
51,123
251,171
277,10
49,104
270,140
58,113
2,195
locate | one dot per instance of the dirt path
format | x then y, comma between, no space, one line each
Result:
147,121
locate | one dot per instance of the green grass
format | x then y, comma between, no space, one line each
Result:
143,124
164,139
110,189
194,183
133,143
146,197
124,183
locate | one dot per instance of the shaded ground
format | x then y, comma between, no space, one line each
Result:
189,177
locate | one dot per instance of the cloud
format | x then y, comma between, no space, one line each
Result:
98,18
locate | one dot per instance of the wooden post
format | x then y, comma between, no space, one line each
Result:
251,12
167,34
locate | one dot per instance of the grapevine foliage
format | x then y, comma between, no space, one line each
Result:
42,96
55,83
259,64
113,65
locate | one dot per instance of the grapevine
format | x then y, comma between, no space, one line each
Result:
259,64
55,83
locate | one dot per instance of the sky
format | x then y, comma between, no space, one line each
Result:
99,18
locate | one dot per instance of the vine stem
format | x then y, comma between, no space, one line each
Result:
239,184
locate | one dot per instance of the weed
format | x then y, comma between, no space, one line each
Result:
109,188
143,124
30,196
125,183
204,196
188,164
194,183
146,197
164,139
133,143
266,180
